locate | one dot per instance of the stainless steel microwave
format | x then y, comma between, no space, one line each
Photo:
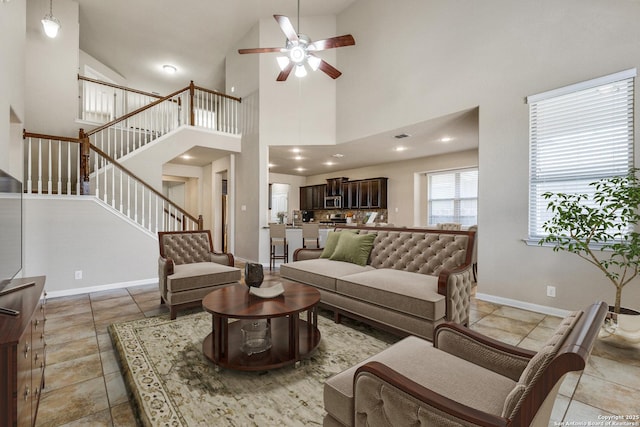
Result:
333,202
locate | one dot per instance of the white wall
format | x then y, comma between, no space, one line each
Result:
84,59
416,60
65,235
298,111
12,80
52,70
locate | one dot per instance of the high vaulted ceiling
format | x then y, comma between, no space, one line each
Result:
135,38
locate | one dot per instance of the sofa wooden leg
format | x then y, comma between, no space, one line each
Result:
337,317
172,313
161,301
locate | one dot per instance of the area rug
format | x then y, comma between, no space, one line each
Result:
173,384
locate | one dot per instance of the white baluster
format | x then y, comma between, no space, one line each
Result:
39,166
29,168
69,167
97,172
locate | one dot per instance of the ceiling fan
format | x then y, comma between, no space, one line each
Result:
300,50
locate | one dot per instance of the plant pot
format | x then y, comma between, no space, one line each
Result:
622,329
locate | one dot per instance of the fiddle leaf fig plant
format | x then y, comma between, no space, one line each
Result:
600,228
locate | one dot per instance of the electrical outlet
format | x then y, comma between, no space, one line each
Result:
78,274
551,291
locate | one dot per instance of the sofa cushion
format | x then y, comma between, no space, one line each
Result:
200,275
448,375
411,293
332,242
321,273
354,248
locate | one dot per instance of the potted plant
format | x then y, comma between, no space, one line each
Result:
600,228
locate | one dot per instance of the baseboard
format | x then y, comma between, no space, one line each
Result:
100,288
552,311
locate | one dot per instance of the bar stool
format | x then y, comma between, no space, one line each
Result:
311,233
278,237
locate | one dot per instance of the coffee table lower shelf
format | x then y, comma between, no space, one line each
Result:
281,353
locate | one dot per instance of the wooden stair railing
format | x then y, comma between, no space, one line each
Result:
112,183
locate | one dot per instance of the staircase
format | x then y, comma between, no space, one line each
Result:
93,163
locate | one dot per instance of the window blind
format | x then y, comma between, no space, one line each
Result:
453,197
578,134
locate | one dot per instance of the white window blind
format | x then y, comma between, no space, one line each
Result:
578,134
453,197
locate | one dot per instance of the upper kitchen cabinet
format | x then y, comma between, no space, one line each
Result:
372,193
335,186
312,197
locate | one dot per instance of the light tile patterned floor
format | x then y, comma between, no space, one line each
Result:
84,385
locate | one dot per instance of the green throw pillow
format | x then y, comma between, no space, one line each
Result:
332,242
354,248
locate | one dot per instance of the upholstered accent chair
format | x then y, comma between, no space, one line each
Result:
188,268
463,379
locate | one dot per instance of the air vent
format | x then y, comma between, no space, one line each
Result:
402,135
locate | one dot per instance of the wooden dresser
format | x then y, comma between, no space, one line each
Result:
22,353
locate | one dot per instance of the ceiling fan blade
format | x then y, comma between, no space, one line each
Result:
287,27
261,50
329,69
333,42
285,73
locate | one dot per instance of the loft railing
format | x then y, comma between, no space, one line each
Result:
192,105
75,166
102,102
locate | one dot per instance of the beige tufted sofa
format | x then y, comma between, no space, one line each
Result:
188,269
414,280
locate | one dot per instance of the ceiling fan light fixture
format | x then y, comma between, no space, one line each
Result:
50,23
300,70
297,54
314,62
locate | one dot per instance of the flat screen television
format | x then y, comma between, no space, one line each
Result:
10,228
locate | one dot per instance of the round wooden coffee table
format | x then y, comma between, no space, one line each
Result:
292,338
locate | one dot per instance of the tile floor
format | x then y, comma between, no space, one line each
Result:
84,385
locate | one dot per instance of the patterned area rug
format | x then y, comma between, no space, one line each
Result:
174,384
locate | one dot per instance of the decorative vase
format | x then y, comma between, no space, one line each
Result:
253,274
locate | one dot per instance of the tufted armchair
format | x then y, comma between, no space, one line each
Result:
463,379
188,269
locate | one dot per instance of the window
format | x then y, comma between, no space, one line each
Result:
578,134
453,196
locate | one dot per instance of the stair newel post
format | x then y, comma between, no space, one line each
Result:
85,153
200,223
192,112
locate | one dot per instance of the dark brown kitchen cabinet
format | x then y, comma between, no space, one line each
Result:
312,197
350,194
373,193
335,187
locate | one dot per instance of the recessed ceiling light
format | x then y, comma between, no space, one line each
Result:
402,135
337,155
295,150
298,157
446,139
400,148
329,163
169,69
186,157
271,165
300,169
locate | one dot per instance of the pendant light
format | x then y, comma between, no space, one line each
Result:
50,23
